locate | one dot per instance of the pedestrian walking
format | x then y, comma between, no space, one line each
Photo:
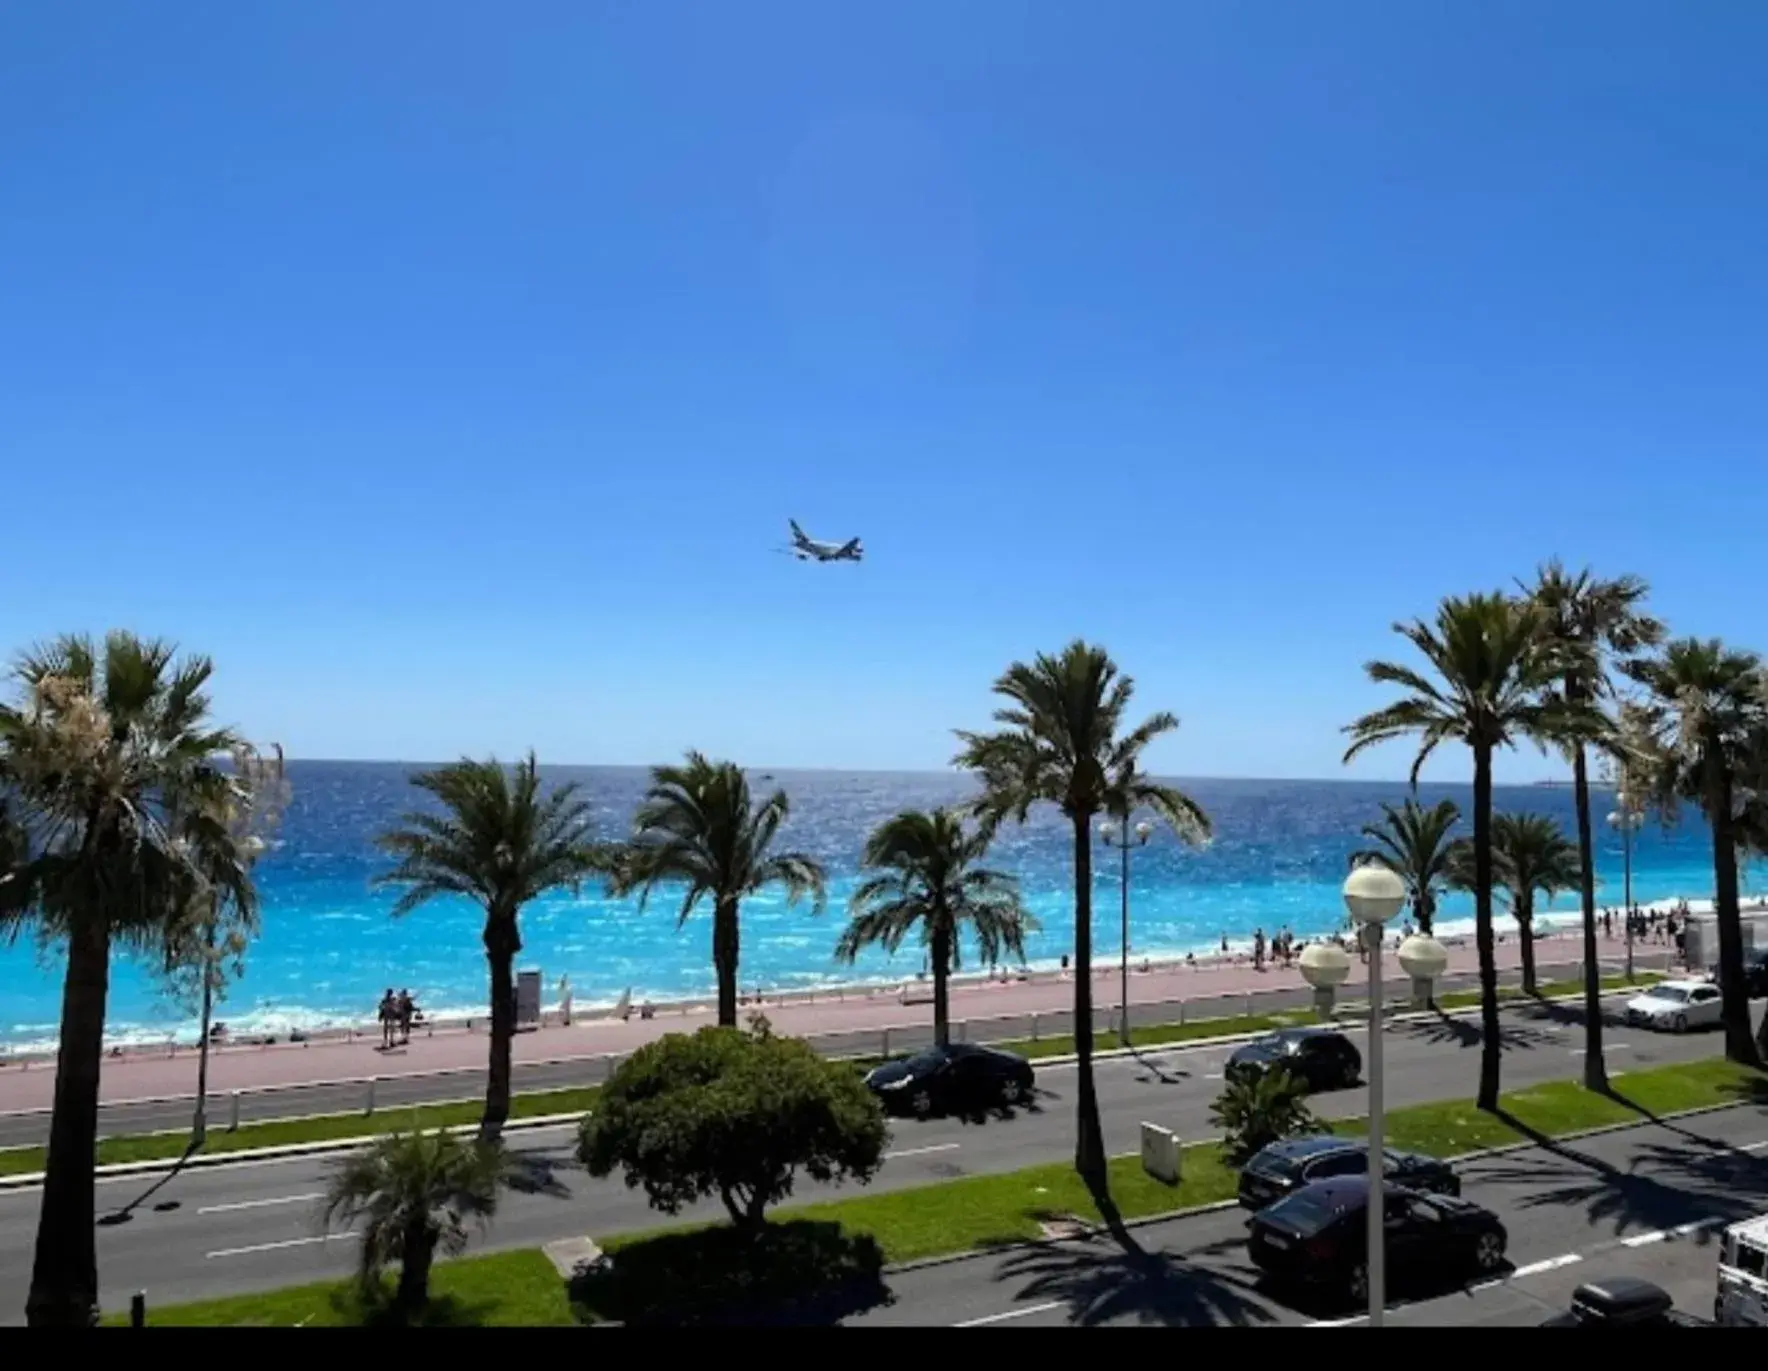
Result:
405,1009
388,1016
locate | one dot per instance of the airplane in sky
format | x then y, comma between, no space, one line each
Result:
806,549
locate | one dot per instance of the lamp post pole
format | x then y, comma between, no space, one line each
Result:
1121,836
1374,895
1626,818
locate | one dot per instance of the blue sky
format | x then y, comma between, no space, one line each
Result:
448,371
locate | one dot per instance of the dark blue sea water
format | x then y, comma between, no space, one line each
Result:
329,947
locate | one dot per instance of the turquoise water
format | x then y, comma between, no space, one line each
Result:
328,947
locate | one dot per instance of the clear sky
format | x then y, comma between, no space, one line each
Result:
448,371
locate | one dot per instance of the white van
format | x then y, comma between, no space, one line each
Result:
1743,1276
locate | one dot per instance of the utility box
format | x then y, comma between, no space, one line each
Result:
1160,1153
527,999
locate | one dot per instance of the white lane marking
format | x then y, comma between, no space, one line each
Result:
1341,1323
1644,1239
923,1151
259,1204
275,1246
1755,1146
1681,1230
1212,1076
1010,1314
1551,1264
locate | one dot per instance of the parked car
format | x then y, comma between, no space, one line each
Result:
1755,973
1323,1058
1622,1302
958,1078
1317,1237
1676,1005
1294,1162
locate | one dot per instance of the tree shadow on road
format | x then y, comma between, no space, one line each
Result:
535,1173
1464,1032
1663,1186
1116,1279
127,1212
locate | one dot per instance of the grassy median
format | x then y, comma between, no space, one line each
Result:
975,1213
151,1147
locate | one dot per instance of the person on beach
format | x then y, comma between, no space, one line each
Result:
405,1009
388,1012
1258,949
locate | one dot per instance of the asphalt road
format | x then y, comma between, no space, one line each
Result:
397,1088
225,1229
1646,1202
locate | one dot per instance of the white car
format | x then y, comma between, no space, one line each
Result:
1676,1005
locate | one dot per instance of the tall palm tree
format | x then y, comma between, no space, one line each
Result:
1710,708
1491,669
697,827
1529,853
1593,624
1415,844
1061,742
499,842
928,876
118,835
413,1193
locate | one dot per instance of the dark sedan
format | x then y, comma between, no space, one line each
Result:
1318,1237
1755,973
960,1079
1322,1058
1294,1162
1622,1302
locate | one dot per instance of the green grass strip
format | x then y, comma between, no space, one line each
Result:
154,1147
504,1290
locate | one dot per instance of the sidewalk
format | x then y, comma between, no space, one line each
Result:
25,1086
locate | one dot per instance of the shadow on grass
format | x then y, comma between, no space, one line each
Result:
798,1272
355,1306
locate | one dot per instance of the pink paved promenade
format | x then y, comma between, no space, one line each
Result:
144,1074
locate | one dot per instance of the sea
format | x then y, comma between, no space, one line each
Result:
329,945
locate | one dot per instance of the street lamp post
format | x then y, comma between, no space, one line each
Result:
1374,895
1626,818
1122,837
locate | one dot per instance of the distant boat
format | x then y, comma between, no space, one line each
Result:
1556,785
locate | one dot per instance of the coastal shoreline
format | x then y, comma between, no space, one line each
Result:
282,1029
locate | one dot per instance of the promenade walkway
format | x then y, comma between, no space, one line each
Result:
1207,989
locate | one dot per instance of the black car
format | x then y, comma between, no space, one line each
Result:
1755,973
1622,1302
1317,1236
1294,1162
1321,1057
955,1079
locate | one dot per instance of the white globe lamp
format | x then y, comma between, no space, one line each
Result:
1325,966
1424,959
1373,895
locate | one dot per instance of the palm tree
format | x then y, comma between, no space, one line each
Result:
1708,707
1529,854
1593,623
413,1193
1491,667
1414,843
928,875
698,827
1060,743
118,835
501,843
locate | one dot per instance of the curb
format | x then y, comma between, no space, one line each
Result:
1218,1206
286,1152
242,1156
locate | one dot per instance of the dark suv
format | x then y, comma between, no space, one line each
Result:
1294,1162
1622,1302
1322,1058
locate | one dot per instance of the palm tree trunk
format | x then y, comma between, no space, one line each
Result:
942,957
1490,1057
414,1269
1740,1044
64,1271
724,960
1525,923
1595,1066
1089,1138
502,942
1425,908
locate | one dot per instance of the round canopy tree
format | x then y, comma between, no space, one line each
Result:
734,1114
